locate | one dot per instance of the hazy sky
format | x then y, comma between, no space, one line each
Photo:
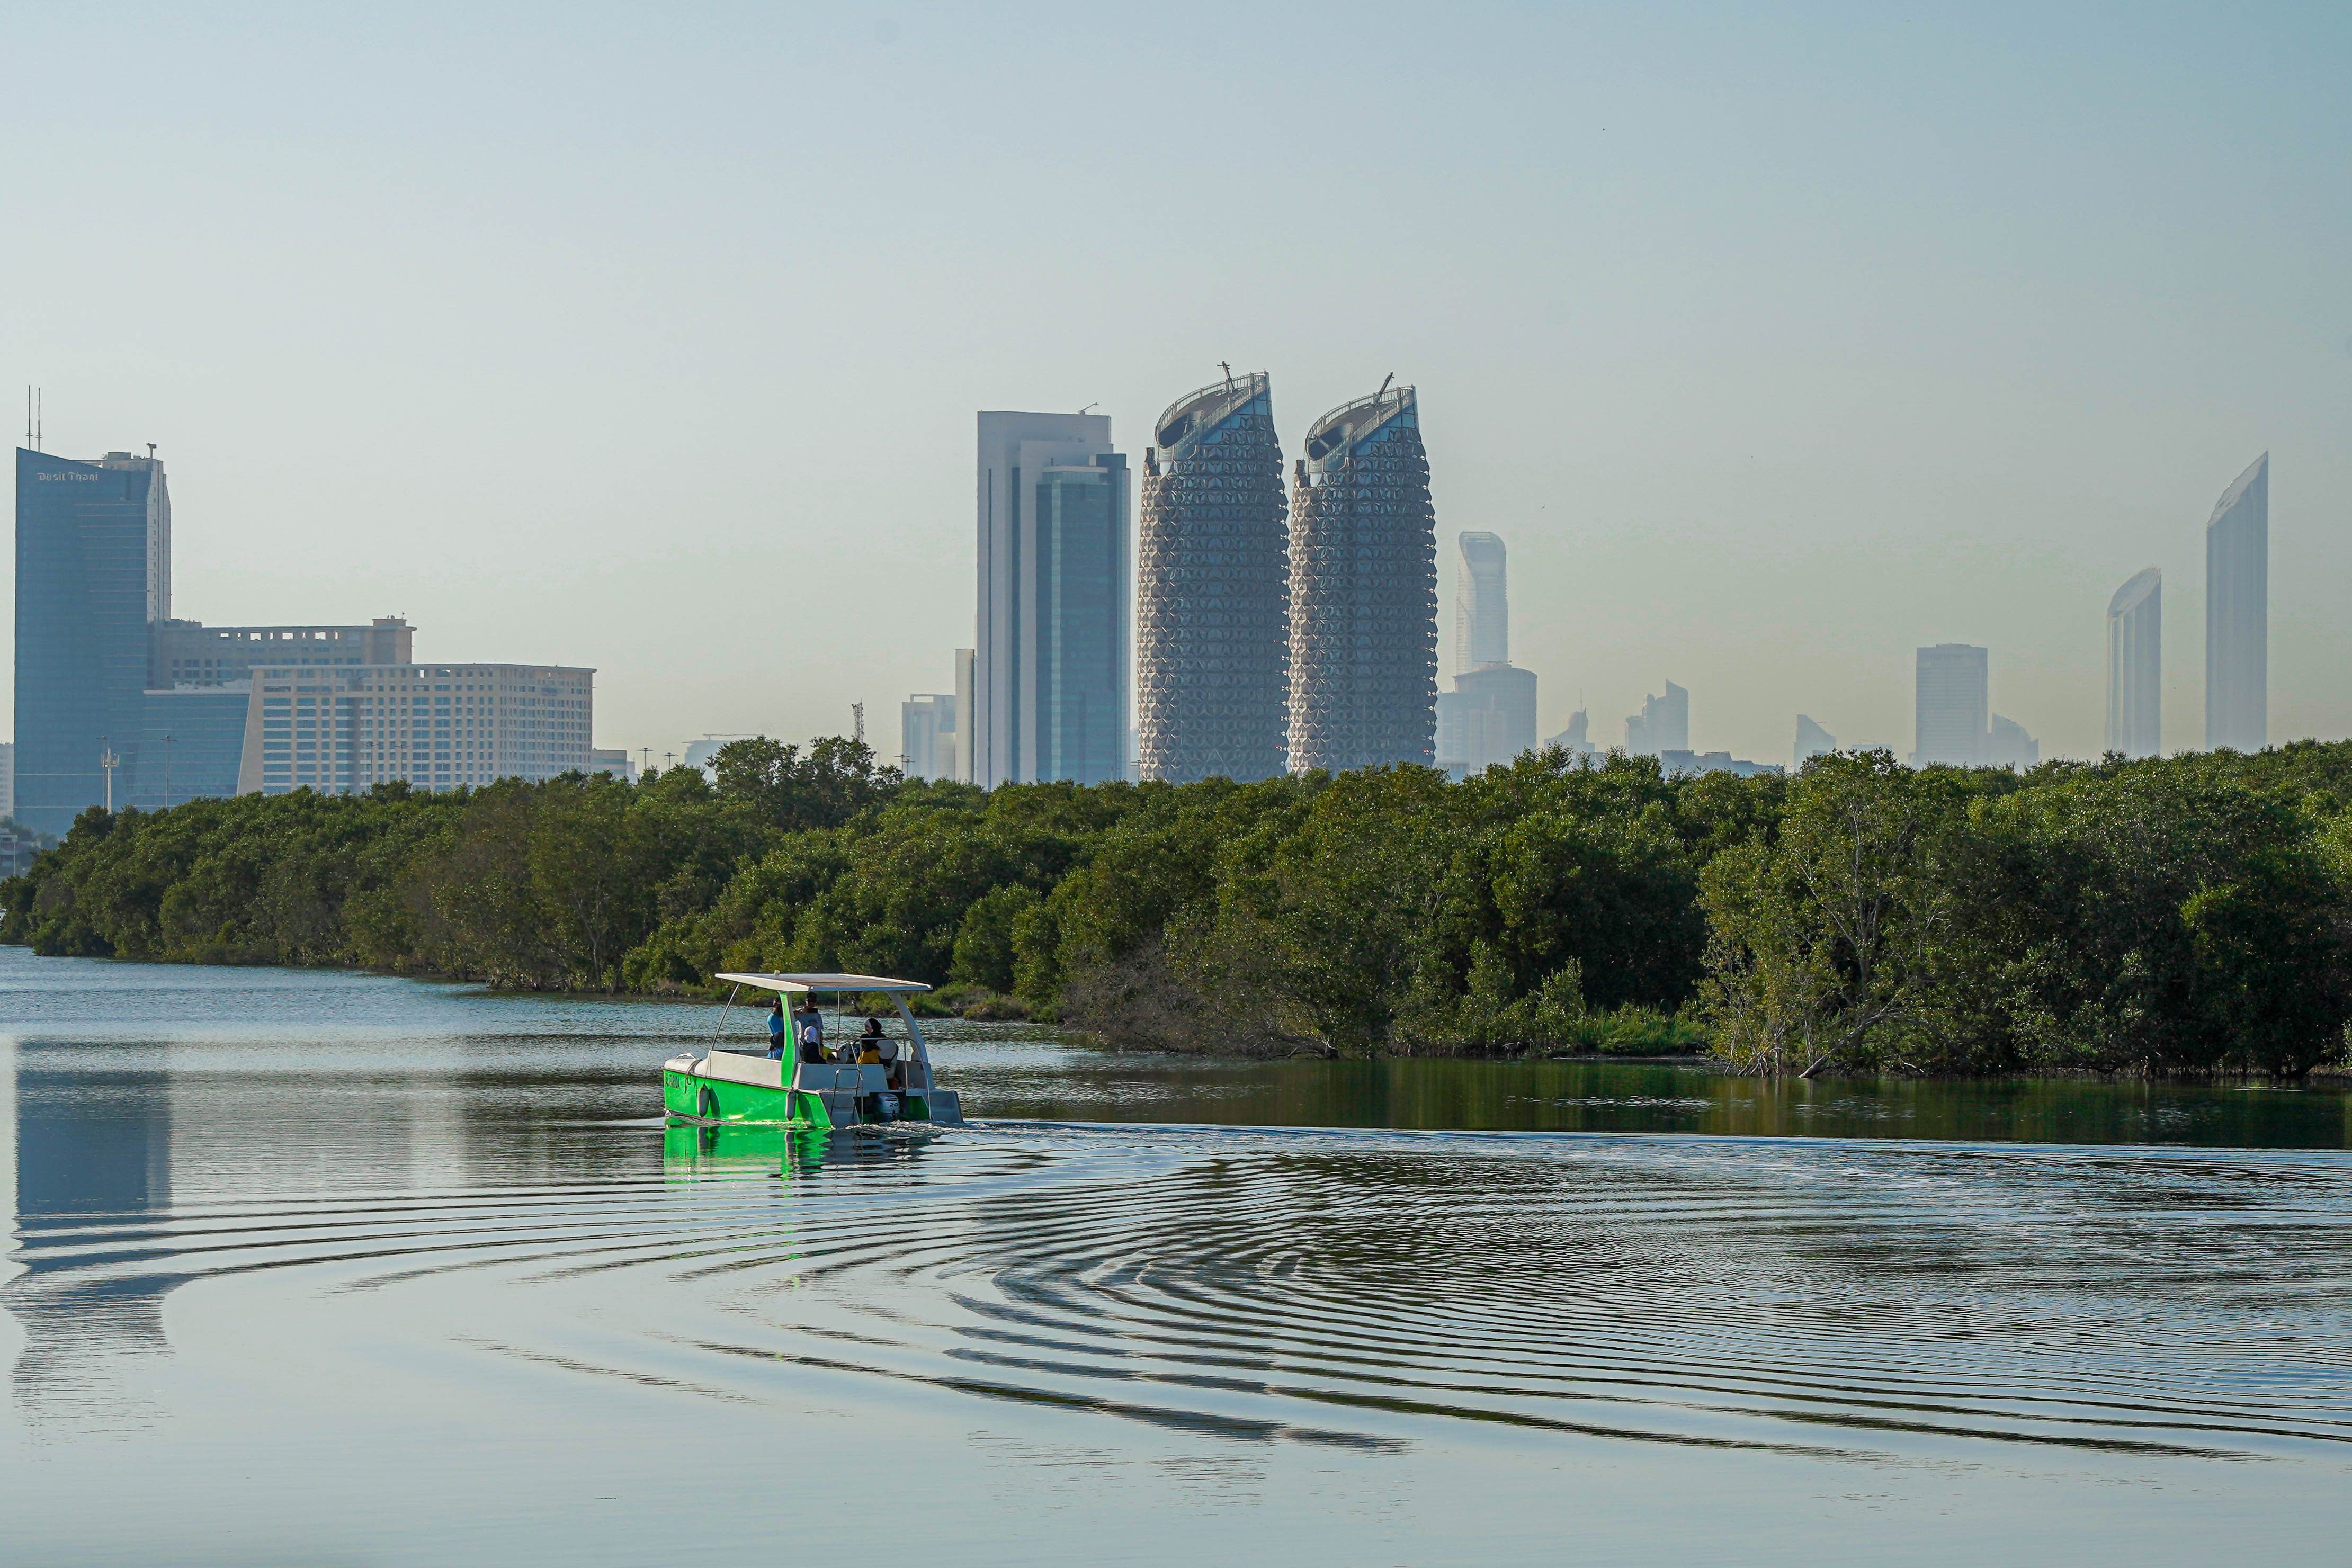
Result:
1775,340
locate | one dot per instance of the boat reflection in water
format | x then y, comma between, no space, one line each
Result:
721,1153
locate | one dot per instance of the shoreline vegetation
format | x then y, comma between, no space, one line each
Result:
2180,917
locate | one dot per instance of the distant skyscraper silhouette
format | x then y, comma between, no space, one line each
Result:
1954,706
1575,739
1812,741
1489,716
1212,588
1662,726
2136,666
2238,613
1482,610
1363,590
2008,744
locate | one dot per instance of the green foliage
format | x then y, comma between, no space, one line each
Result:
2188,916
2180,916
1824,942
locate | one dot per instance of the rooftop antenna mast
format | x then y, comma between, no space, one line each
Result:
1226,366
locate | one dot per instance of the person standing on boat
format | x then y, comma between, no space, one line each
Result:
809,1027
778,1029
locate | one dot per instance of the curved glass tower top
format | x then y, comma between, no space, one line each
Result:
2132,594
1351,428
1190,419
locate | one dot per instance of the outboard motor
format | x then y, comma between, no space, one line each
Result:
886,1106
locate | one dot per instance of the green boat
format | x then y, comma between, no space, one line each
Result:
815,1078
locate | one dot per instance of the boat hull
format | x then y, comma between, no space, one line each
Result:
691,1096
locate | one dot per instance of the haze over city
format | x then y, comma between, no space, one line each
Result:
1775,345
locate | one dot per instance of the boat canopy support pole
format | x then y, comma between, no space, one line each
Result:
717,1033
914,1033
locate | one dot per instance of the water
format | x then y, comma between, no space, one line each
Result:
322,1267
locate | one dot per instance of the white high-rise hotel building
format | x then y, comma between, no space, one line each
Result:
339,728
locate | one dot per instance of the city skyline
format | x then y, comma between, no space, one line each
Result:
121,704
1813,401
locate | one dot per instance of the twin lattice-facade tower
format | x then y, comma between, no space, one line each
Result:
1275,634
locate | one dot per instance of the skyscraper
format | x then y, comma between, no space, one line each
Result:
1482,610
93,573
2008,746
1363,590
1953,704
958,765
1575,739
1212,588
1662,726
927,735
2237,613
1488,718
2136,666
1051,673
1812,741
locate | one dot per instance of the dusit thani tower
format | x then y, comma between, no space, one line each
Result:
1212,590
1363,590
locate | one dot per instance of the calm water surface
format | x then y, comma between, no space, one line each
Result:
325,1268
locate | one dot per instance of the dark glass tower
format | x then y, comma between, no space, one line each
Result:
1363,590
1082,569
93,571
1211,589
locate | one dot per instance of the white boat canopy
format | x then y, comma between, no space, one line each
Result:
793,984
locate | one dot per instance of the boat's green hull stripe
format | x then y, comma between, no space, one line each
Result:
720,1100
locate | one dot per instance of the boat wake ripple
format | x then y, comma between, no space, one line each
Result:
1372,1292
